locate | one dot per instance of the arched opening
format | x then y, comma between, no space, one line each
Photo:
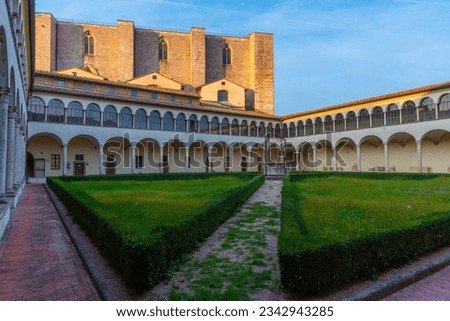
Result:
377,117
155,120
162,50
75,113
110,116
181,123
93,115
140,119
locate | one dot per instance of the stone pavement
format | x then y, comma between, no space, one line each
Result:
37,258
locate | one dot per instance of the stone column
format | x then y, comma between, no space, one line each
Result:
18,154
314,160
11,157
209,166
161,159
419,156
133,159
334,159
358,157
101,169
186,159
4,104
386,157
64,160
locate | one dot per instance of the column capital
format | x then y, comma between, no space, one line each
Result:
418,142
12,111
5,95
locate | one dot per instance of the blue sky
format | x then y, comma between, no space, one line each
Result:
326,51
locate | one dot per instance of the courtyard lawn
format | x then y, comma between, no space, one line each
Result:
145,223
341,227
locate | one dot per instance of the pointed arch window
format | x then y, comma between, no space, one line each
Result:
88,44
162,50
226,55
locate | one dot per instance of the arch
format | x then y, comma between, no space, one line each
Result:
125,118
93,115
377,117
444,106
392,115
235,127
226,55
36,109
181,123
163,49
351,122
328,124
277,130
300,128
110,116
244,128
318,126
193,124
292,129
270,129
309,127
339,123
168,121
427,109
88,43
261,129
224,127
409,112
55,113
214,125
285,130
222,95
75,113
253,129
3,60
204,125
364,119
140,119
372,154
155,120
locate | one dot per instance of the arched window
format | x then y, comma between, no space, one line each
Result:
125,118
162,50
270,129
328,123
222,95
226,55
351,121
318,126
339,123
110,116
225,128
253,129
75,113
244,128
155,120
427,109
309,127
285,131
364,119
93,115
392,115
36,109
193,127
181,123
140,119
409,112
277,131
168,122
444,106
214,125
261,130
235,127
292,130
377,117
88,44
204,125
55,113
300,128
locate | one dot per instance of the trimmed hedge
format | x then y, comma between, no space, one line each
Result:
143,264
312,271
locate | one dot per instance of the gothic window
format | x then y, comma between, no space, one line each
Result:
226,55
162,50
88,44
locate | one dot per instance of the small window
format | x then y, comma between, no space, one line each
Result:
133,93
111,91
88,44
172,98
87,87
226,55
60,83
55,161
79,157
154,96
222,95
162,50
154,77
223,83
189,101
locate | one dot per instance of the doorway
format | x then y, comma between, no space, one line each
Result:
39,168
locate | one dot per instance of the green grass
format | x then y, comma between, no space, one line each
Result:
340,209
138,207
